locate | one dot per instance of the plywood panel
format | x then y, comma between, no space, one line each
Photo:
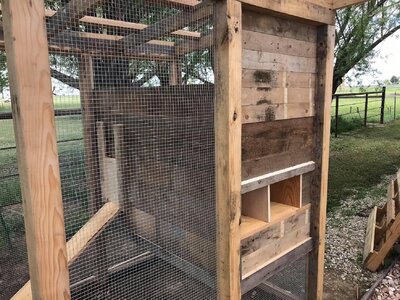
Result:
255,204
287,191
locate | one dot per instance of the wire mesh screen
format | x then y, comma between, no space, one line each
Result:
138,168
290,283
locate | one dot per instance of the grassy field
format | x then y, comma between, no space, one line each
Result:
360,159
60,102
351,111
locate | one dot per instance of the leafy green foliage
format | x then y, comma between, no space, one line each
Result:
359,30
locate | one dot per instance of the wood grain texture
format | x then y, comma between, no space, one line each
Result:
271,43
274,177
80,241
370,235
278,26
228,43
267,138
255,204
259,78
34,126
287,191
326,41
300,9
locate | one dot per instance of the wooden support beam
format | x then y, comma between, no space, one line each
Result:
80,241
166,26
204,42
302,9
276,266
35,136
69,15
124,24
278,291
337,4
273,177
319,190
179,4
227,114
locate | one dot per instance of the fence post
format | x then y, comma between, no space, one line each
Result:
336,115
383,104
366,109
394,106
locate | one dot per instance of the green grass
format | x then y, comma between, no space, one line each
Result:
359,160
352,110
60,102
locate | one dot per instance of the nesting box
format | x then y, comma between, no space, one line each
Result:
206,171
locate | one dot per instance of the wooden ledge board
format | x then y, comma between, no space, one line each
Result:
273,177
370,235
278,256
275,266
250,226
79,242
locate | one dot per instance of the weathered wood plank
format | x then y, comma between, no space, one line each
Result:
257,260
259,78
326,44
271,112
69,15
375,259
166,26
35,136
263,42
80,241
337,4
370,234
268,138
275,266
227,114
274,177
266,95
278,62
281,27
297,9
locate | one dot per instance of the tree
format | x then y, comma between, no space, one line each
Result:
359,30
394,80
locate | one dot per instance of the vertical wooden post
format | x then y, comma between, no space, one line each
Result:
383,105
93,174
337,116
366,110
175,76
228,56
322,121
35,135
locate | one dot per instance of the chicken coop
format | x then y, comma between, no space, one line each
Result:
205,142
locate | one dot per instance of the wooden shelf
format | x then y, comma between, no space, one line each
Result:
274,177
250,226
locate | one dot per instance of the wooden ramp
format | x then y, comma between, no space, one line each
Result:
383,228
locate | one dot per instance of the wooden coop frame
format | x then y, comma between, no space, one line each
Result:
238,129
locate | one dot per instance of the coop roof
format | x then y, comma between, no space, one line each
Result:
74,28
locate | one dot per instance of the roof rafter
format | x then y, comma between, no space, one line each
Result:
166,26
69,15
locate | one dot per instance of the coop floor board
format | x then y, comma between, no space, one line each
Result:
250,226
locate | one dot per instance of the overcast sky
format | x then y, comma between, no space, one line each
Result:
388,61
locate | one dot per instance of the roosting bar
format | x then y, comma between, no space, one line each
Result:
220,182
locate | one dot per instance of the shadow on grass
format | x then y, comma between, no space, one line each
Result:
360,159
346,124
